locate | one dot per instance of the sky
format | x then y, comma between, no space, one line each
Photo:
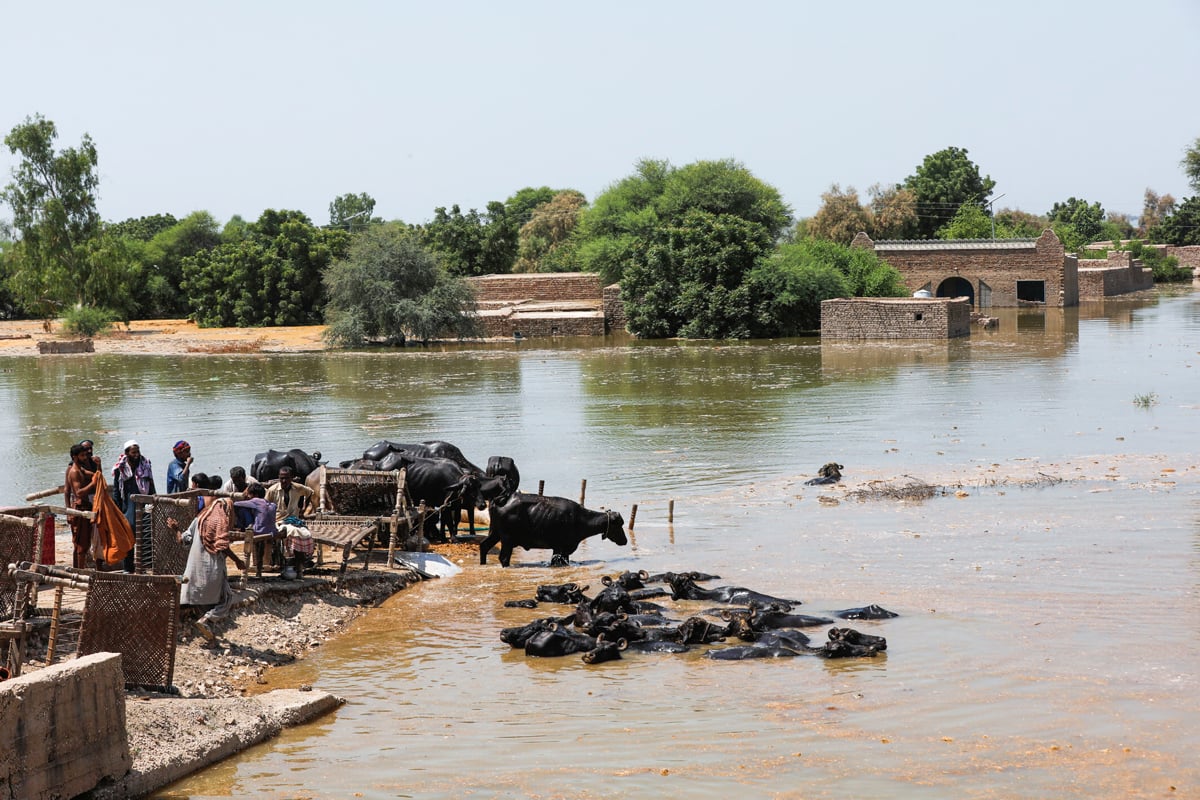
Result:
236,107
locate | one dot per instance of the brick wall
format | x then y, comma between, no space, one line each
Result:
508,322
895,318
992,269
548,286
1189,256
1118,274
614,308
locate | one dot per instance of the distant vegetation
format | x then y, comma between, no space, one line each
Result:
703,250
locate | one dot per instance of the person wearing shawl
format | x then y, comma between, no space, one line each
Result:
79,486
131,475
207,579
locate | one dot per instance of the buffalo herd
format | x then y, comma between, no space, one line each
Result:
622,617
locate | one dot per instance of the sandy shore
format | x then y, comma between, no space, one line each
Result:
167,337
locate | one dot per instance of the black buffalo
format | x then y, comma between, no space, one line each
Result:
428,449
866,612
557,641
446,488
829,473
535,522
266,466
683,587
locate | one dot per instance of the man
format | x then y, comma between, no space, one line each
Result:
132,474
79,489
238,481
178,470
291,501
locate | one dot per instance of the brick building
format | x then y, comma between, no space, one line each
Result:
1002,272
895,318
542,304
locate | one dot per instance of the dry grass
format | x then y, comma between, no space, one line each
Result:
222,348
908,488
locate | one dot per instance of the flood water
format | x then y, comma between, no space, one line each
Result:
1049,637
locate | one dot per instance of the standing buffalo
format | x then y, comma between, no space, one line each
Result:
554,523
265,466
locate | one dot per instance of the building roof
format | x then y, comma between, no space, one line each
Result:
956,244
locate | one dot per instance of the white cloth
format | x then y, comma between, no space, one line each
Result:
207,581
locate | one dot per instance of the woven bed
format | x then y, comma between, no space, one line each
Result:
136,616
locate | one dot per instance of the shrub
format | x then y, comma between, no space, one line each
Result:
88,321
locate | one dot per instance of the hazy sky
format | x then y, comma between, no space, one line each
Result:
234,107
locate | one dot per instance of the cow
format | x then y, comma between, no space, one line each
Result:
265,466
536,522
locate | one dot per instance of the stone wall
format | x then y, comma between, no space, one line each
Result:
992,268
546,286
1119,273
62,728
509,321
895,318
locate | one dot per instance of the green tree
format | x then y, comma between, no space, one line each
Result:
866,274
789,287
160,292
944,181
58,258
142,229
270,276
352,212
1182,227
689,280
1191,164
390,288
630,214
548,232
970,222
1021,224
1088,219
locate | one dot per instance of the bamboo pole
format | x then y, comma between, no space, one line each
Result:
582,490
28,522
52,645
44,493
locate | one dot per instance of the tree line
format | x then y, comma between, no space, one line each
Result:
704,250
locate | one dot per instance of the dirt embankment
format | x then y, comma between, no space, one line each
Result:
167,337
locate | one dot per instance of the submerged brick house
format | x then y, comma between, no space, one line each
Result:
895,318
1002,272
543,304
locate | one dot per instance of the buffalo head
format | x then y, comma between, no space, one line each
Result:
614,530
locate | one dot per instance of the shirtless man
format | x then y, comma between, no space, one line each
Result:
79,490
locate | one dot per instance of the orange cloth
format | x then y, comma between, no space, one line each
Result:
111,525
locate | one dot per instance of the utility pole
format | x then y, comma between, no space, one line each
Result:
992,215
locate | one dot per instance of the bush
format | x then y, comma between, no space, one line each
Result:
88,321
1166,268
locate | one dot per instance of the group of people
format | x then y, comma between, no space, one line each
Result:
274,513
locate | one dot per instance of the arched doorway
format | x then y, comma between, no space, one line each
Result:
956,287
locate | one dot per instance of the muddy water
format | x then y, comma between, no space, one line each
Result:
1049,633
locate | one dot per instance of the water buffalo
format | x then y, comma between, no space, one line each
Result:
604,651
829,473
569,593
265,466
558,641
428,449
518,635
849,643
554,523
866,612
684,587
445,486
772,617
